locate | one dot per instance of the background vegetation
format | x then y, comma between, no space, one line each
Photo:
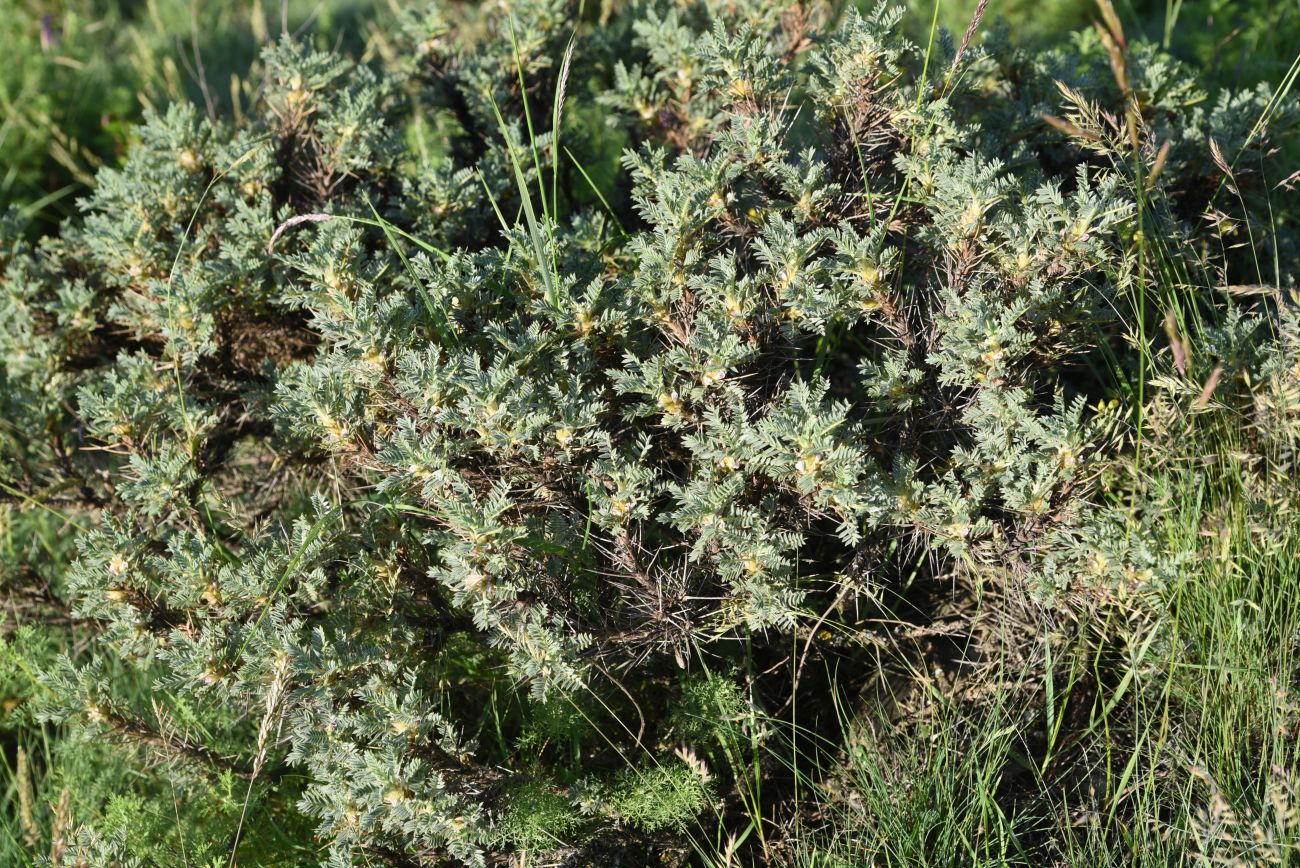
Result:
966,716
83,70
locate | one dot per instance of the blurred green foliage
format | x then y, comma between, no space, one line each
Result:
1233,41
78,74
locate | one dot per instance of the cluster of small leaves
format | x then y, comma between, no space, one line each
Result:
363,469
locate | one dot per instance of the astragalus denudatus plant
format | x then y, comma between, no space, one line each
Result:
464,452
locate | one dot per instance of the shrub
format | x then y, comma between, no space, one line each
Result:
396,411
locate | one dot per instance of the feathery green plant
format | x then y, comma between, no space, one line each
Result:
414,546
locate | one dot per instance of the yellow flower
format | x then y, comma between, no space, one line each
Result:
670,403
808,464
335,429
476,582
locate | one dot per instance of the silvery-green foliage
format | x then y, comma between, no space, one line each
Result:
371,453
